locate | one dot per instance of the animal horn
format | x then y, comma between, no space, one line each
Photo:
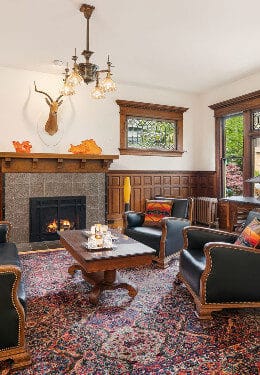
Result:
42,92
59,97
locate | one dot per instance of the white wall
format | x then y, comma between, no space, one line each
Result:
205,160
24,112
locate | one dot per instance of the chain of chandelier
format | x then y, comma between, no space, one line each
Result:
88,72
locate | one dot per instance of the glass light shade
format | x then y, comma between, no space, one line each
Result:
108,84
67,89
75,78
97,93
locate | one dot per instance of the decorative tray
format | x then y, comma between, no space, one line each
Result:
86,233
85,244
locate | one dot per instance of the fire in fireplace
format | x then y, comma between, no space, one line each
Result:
49,215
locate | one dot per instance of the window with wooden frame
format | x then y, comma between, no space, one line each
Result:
246,108
150,129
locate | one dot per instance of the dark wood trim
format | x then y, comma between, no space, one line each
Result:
11,162
136,151
150,106
237,104
158,111
242,104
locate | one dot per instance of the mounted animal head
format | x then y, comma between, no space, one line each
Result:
51,126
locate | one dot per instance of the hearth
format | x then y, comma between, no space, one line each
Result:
51,214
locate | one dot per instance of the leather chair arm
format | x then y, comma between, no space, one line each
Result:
196,237
5,228
231,274
172,237
133,219
11,310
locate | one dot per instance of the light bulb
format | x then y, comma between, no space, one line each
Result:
97,93
75,78
108,84
67,89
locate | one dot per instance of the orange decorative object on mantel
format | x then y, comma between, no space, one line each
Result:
88,146
24,146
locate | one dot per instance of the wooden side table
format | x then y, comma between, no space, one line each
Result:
233,211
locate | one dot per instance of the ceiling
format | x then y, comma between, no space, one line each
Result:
188,45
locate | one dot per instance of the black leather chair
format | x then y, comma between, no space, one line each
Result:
12,303
167,238
218,273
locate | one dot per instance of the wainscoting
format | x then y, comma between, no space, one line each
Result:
145,185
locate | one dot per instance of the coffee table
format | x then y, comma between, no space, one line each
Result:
99,268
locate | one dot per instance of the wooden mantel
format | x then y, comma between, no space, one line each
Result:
14,162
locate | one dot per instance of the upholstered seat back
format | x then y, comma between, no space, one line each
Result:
180,207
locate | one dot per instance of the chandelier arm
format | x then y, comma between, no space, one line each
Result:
87,35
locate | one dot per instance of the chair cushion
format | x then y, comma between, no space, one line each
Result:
251,235
155,210
150,236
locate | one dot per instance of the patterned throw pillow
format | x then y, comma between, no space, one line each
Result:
251,235
156,210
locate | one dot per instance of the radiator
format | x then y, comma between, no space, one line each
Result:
205,211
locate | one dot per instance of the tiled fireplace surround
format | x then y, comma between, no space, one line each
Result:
19,187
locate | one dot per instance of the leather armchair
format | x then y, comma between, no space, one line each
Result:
167,238
12,303
218,273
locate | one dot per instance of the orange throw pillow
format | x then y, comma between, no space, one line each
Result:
251,235
156,210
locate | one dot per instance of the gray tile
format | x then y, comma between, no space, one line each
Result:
37,178
57,189
79,188
16,178
17,219
36,190
19,234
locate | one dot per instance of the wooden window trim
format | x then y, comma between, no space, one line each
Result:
149,110
244,104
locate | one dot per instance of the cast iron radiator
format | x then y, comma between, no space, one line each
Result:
205,211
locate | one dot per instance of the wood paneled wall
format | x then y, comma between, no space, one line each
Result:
145,185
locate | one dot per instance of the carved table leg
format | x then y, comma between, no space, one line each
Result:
73,268
103,280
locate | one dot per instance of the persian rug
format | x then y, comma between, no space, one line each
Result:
157,332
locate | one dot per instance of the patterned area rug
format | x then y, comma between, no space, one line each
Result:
155,333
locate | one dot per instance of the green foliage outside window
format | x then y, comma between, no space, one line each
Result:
234,140
145,133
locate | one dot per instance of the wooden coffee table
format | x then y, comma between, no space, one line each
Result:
99,268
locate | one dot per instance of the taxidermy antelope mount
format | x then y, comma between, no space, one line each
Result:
51,126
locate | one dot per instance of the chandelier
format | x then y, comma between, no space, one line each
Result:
87,71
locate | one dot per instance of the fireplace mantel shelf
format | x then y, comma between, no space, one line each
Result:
14,162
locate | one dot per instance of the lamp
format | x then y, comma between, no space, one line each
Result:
87,71
68,87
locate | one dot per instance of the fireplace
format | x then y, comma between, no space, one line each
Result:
51,214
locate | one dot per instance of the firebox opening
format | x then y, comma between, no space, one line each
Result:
49,215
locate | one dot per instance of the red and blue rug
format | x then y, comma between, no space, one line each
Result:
155,333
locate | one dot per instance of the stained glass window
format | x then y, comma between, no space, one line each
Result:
149,133
256,120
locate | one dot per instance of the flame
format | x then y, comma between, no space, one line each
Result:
52,226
